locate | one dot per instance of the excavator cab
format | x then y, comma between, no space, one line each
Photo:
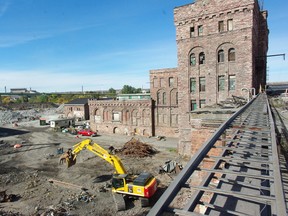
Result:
119,181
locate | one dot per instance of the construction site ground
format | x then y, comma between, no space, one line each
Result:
38,185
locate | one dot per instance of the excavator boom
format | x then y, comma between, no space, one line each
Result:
98,150
142,186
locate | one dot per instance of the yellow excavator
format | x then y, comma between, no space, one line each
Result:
142,186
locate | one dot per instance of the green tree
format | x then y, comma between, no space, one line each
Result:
6,100
130,90
112,91
42,98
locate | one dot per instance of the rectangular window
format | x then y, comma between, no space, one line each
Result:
116,117
232,81
200,30
171,81
202,103
192,85
192,32
230,24
202,84
221,83
174,119
155,82
193,105
161,82
221,26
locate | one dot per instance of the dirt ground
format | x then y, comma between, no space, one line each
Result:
27,172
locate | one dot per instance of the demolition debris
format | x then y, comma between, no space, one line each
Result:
136,148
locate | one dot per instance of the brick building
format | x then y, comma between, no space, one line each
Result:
222,47
77,108
164,91
123,116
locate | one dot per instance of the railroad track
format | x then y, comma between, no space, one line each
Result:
244,178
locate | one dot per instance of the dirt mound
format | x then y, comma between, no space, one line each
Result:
136,148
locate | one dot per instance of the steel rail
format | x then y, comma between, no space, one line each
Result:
253,131
192,165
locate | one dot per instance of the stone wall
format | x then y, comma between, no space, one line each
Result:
122,117
218,42
164,91
79,112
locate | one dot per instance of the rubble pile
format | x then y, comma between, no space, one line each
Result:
11,116
136,148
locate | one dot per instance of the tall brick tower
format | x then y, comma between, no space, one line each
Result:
222,47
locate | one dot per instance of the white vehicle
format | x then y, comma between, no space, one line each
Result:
62,123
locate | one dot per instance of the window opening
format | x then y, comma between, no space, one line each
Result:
231,55
192,59
230,24
171,81
192,32
161,82
200,30
192,85
232,82
220,56
202,103
221,83
155,83
221,26
202,84
164,97
193,105
201,58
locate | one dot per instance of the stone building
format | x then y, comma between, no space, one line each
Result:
164,91
129,115
77,108
222,47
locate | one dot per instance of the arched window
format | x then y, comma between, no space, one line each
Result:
231,54
164,98
221,56
192,59
176,98
201,58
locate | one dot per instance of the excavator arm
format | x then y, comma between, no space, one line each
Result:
99,151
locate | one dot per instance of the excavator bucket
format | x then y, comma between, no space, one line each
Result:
70,161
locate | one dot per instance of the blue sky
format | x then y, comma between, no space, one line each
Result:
62,45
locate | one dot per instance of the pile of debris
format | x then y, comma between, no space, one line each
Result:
136,148
4,197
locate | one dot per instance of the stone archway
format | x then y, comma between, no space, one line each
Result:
116,130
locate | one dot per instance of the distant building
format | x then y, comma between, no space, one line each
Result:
140,96
18,90
21,90
77,109
131,114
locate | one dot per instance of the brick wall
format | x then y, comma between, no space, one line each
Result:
198,32
164,91
122,117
